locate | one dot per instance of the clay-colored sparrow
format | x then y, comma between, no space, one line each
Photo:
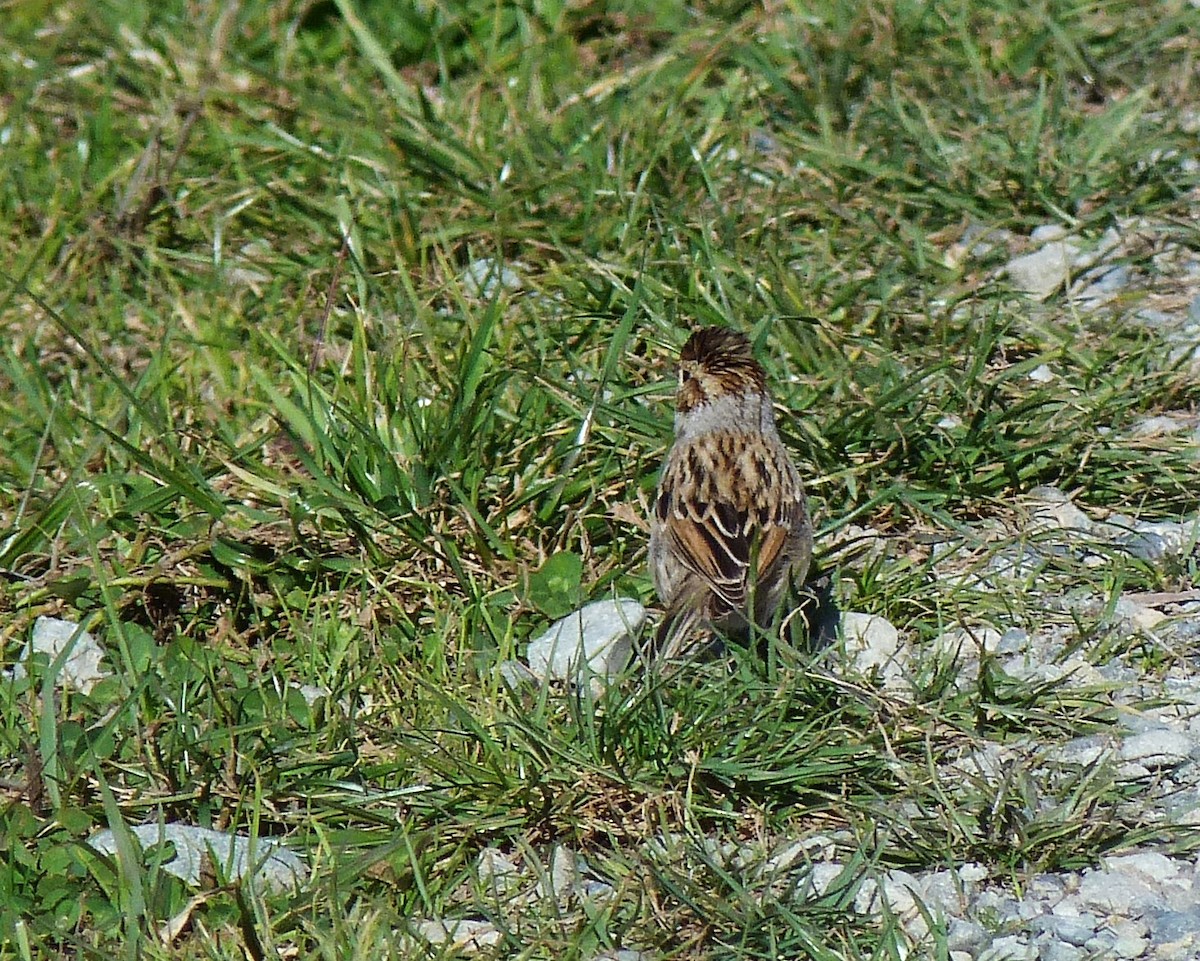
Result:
730,524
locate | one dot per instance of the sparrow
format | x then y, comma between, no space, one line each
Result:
730,526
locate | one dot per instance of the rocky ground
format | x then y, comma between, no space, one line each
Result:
1143,901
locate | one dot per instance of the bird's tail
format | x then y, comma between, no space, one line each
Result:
676,633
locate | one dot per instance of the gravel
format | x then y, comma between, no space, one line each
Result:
1143,902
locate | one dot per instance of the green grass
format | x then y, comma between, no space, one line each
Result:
262,430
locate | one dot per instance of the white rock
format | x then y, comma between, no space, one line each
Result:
1061,951
821,878
594,890
483,276
1157,319
1047,232
1042,374
990,762
1101,285
785,858
791,854
53,635
1149,865
1159,425
1083,751
313,693
872,643
467,935
1075,928
596,640
1183,690
1177,537
515,674
1054,509
943,891
1045,271
968,641
1141,618
310,692
1110,241
1116,892
230,855
562,875
497,871
1016,641
963,935
1000,906
981,239
898,889
1158,748
1011,948
1129,946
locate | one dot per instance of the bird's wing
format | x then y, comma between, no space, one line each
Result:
723,512
711,541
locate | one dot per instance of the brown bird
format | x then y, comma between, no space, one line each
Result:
730,525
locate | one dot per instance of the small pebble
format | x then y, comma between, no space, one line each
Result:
1054,509
1059,951
1166,926
1075,930
1145,546
1045,271
872,643
484,277
561,879
1103,285
1160,748
497,870
53,635
1011,948
1158,426
1047,232
1116,893
1154,318
1139,617
967,936
1130,947
466,935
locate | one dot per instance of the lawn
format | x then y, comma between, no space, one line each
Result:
338,362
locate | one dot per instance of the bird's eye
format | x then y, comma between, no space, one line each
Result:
684,376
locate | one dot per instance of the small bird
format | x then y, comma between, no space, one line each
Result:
730,525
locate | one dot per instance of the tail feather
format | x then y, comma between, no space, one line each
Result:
675,633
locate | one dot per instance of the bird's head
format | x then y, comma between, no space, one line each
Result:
717,362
